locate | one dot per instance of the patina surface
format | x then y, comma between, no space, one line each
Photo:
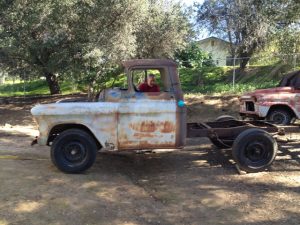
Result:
263,100
123,119
287,95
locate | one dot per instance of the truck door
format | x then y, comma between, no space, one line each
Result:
147,120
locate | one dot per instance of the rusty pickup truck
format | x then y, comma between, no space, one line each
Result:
124,118
279,105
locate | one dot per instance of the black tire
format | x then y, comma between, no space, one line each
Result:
221,143
254,150
73,151
280,116
224,118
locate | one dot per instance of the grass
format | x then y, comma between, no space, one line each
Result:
207,80
37,87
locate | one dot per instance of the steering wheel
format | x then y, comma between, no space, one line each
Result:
135,88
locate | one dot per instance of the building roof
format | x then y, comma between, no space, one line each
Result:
213,38
148,62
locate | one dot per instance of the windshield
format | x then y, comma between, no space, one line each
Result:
291,80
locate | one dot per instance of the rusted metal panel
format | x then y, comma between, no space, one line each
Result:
124,125
125,119
119,95
99,118
180,110
149,124
265,98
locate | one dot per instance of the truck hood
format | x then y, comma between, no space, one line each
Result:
73,108
93,108
269,91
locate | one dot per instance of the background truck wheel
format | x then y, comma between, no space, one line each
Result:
73,151
222,143
280,116
254,150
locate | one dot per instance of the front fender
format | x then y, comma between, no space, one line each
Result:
263,109
99,118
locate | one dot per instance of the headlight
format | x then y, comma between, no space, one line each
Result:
254,98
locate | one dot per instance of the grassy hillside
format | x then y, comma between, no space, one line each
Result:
206,80
219,79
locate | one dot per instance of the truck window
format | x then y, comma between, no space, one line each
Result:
120,82
161,79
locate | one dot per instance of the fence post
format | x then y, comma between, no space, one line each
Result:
24,82
233,75
2,77
295,61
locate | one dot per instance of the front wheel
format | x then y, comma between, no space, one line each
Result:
280,116
254,150
73,151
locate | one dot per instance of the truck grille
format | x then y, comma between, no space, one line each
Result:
250,106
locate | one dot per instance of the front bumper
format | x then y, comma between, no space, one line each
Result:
34,141
39,140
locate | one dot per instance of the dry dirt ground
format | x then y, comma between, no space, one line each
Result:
198,185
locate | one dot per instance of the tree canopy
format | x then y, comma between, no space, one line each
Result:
246,24
86,39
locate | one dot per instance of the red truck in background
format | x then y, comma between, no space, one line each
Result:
280,105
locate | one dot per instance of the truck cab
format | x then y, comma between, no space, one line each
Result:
148,120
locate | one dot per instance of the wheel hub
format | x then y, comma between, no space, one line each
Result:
256,151
278,118
74,152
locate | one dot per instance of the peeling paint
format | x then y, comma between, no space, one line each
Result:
124,118
264,99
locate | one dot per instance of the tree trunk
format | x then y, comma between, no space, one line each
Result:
244,63
52,83
246,55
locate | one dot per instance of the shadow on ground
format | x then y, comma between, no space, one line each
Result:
198,185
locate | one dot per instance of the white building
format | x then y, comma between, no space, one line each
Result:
218,48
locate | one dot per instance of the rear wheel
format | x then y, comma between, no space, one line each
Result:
280,116
254,150
73,151
222,143
224,118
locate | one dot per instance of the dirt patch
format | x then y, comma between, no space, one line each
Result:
198,185
209,107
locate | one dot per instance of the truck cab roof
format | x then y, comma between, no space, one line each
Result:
148,63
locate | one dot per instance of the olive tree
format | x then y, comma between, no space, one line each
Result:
87,39
162,28
287,32
244,23
248,24
49,36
